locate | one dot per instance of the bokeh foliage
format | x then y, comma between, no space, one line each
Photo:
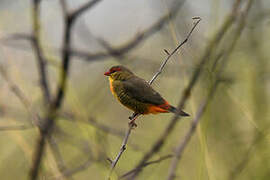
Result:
231,141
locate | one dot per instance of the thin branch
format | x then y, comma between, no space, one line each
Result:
48,126
81,167
134,116
134,42
69,22
38,51
147,164
64,137
122,149
106,128
93,122
183,143
130,44
198,19
15,127
208,52
36,119
102,127
16,90
69,172
261,135
56,153
76,13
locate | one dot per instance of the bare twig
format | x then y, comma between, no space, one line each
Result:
38,51
20,95
15,127
35,117
103,128
46,129
94,123
122,149
14,88
106,128
174,51
134,116
209,50
134,42
56,153
261,135
88,5
194,123
183,143
147,164
69,172
126,47
129,45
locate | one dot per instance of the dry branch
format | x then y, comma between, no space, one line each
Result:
183,143
194,123
46,129
42,68
15,127
16,90
34,116
135,41
122,149
61,165
147,164
240,166
81,167
208,52
134,116
112,52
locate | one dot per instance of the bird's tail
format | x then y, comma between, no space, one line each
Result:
178,111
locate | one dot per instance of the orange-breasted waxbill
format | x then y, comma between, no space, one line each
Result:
136,94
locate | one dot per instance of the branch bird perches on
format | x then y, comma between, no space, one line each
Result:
134,116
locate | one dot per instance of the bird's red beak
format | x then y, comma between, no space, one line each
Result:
107,73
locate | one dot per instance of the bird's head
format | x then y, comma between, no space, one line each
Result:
118,73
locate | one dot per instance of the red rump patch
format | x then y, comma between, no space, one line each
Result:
155,109
166,105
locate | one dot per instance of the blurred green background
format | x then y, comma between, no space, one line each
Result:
232,139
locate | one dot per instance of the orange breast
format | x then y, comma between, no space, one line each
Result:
111,86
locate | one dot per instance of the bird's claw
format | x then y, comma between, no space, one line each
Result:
132,124
132,119
133,116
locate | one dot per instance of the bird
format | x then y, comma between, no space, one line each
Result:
136,94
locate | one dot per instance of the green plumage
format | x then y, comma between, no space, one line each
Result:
126,99
134,92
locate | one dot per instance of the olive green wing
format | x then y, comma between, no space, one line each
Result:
140,90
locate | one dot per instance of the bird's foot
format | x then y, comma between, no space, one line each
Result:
132,118
132,124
